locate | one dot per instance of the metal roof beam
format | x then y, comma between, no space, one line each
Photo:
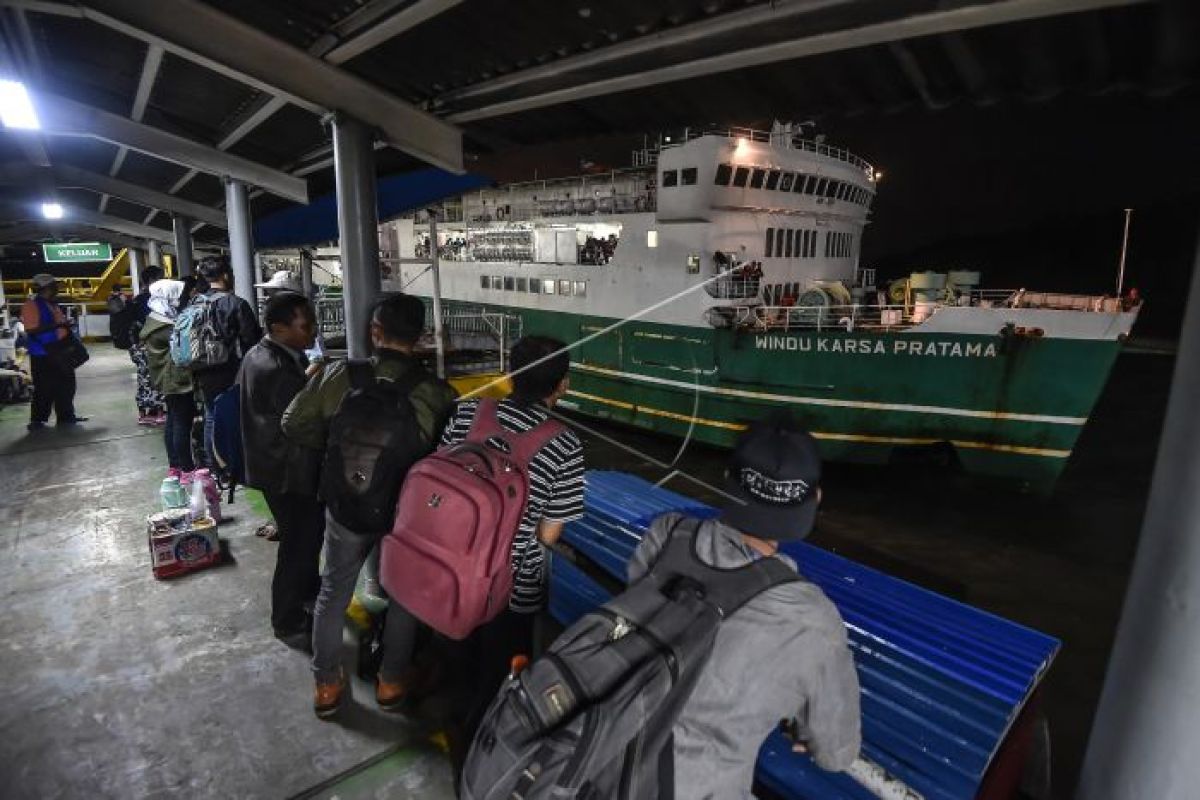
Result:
36,231
74,215
911,27
73,176
64,117
67,176
719,25
150,65
911,68
201,33
363,31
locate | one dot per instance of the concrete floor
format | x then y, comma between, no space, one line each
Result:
123,686
119,685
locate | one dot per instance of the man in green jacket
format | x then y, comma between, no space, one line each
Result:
396,325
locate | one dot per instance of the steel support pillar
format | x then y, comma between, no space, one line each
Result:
183,246
153,253
358,228
435,266
135,269
306,280
241,240
1145,736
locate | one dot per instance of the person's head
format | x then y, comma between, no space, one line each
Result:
151,274
290,320
45,285
217,271
397,322
192,286
546,380
774,478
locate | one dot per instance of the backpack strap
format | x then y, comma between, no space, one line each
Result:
525,445
728,589
361,372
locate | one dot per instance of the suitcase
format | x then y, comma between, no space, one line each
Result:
178,546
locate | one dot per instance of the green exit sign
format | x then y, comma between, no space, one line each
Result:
77,251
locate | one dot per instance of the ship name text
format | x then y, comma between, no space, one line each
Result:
896,346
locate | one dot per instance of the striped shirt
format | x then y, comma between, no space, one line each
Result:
555,492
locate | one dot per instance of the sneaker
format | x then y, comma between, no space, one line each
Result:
72,421
327,697
146,421
36,426
159,420
390,696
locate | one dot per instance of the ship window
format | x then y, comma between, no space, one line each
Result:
828,243
768,250
785,183
485,282
787,246
535,286
510,283
581,288
693,264
564,288
670,178
548,286
772,179
815,185
687,176
831,189
779,243
739,177
810,244
522,284
724,173
756,180
798,186
651,238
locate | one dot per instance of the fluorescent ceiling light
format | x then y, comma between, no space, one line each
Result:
52,211
16,110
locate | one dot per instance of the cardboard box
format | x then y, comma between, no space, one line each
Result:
178,546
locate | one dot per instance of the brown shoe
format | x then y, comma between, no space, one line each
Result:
390,696
327,698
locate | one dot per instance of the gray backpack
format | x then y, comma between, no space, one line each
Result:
592,718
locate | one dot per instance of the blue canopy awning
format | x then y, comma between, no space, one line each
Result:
316,222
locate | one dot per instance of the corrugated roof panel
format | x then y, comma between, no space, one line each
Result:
941,681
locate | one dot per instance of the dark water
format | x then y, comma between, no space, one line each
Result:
1058,564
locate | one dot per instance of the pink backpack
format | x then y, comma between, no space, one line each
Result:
448,558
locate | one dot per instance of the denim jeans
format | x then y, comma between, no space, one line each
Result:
345,554
181,411
210,458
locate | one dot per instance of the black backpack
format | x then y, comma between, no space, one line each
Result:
592,718
121,326
373,440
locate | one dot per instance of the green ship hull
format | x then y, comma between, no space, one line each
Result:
1010,406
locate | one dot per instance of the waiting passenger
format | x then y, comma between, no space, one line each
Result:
45,325
166,299
784,653
151,403
540,366
396,325
237,325
272,374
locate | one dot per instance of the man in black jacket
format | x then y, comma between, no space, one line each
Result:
237,323
273,371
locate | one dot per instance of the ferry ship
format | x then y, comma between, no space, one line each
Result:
719,278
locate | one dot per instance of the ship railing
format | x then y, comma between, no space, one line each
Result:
624,203
733,288
331,317
812,318
789,141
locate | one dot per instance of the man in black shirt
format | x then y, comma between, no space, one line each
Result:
237,324
273,372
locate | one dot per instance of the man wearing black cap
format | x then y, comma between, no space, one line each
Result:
781,656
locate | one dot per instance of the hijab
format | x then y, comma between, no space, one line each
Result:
164,300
